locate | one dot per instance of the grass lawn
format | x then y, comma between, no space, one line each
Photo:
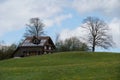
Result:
63,66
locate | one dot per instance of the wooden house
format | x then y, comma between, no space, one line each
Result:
35,46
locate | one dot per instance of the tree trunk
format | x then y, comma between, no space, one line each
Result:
93,46
93,49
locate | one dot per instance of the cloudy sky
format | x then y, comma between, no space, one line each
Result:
59,16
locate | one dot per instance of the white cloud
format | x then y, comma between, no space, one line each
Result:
57,20
14,14
115,31
106,7
77,32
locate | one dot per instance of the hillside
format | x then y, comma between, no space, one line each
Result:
63,66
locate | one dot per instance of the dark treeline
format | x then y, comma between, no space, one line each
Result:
71,44
6,52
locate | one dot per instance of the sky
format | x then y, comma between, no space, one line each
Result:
62,17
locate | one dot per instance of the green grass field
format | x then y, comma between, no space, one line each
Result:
63,66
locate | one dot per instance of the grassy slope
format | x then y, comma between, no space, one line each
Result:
63,66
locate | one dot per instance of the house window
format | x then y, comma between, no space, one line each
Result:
27,54
49,48
45,47
36,41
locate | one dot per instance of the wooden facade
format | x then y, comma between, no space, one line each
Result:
35,46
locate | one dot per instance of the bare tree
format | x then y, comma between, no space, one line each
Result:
35,28
98,33
57,37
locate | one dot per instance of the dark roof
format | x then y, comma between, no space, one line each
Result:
28,41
